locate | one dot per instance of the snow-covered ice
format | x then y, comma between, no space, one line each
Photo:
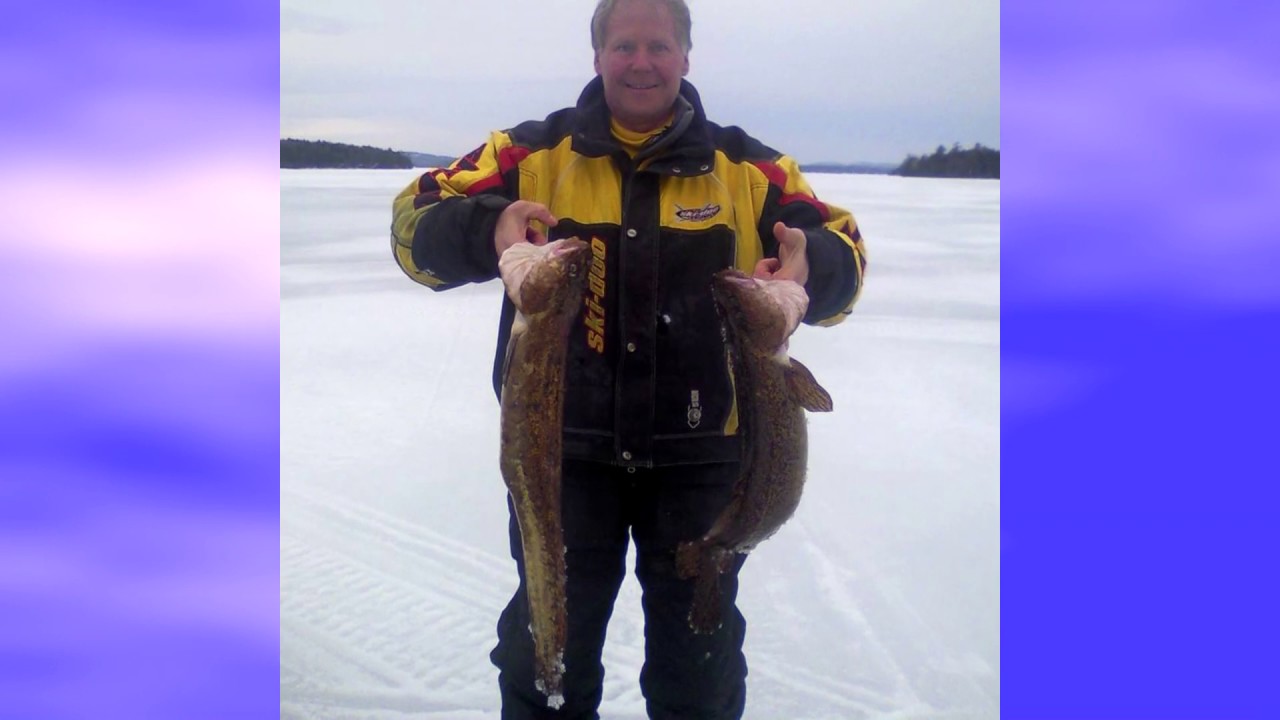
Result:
879,599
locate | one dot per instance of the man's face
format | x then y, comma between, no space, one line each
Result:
641,63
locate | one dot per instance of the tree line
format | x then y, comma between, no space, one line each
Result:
321,154
976,162
956,162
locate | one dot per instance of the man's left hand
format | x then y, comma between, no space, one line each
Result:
792,263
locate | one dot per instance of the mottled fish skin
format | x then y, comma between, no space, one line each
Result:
773,391
532,413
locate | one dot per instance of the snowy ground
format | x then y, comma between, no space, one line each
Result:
880,598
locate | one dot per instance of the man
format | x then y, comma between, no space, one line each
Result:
666,198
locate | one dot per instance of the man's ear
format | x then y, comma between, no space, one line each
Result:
596,63
686,66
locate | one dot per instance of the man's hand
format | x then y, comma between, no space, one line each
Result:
792,263
515,225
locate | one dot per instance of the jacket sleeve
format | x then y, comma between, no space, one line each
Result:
442,223
837,257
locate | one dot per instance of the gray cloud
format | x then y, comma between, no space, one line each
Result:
854,81
294,20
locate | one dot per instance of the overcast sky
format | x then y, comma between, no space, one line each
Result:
848,81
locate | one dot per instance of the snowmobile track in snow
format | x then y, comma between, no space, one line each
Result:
398,606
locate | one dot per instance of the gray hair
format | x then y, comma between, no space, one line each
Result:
679,13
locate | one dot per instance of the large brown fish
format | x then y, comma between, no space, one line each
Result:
772,391
546,284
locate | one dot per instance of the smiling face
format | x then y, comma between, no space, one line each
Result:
641,63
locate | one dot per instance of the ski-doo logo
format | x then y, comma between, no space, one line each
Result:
593,318
706,212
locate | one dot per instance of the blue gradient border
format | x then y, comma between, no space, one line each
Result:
139,371
139,513
1140,316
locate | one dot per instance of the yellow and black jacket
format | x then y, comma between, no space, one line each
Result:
648,381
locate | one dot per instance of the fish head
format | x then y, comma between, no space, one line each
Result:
755,319
556,282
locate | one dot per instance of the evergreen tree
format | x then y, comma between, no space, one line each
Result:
977,162
321,154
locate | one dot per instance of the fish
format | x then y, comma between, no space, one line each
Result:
773,391
547,284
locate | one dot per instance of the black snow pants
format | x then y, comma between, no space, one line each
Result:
685,675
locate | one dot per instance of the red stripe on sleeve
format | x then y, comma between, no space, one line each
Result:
778,177
817,204
775,175
510,157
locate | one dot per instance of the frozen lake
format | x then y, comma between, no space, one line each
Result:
879,599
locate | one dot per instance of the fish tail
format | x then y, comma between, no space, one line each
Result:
551,683
545,587
688,559
704,615
549,622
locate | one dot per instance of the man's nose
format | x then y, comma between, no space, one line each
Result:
642,60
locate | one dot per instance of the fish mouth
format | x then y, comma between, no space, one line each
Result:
733,275
573,253
750,311
566,246
732,280
727,288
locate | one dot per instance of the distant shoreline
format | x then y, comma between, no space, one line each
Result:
978,162
850,168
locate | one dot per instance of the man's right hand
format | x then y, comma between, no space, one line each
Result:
515,225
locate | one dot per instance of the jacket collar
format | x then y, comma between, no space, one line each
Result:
685,149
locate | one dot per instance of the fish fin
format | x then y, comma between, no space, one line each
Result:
688,558
805,390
